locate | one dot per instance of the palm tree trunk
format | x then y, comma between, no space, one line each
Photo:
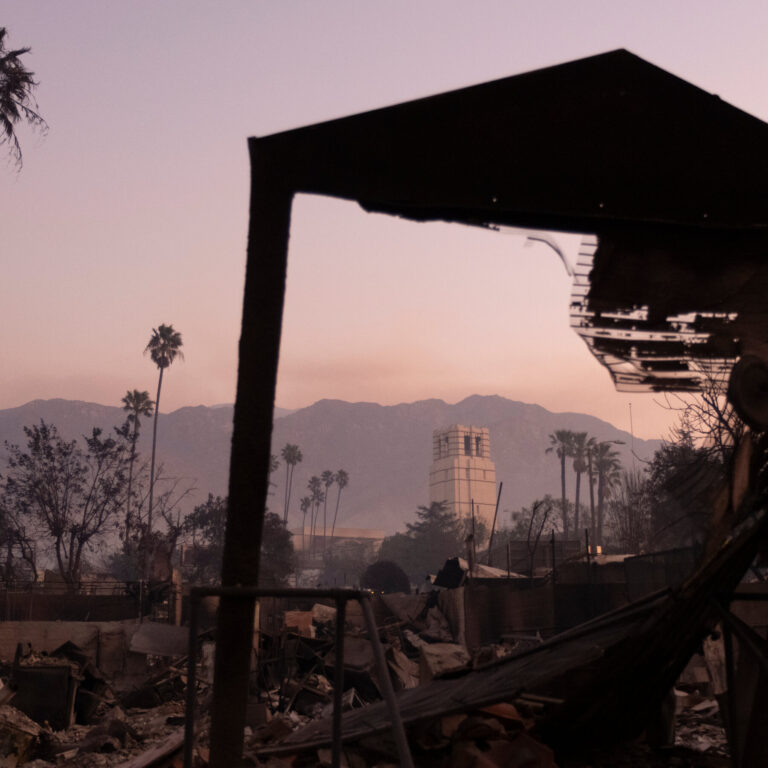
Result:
565,508
333,526
599,540
576,510
128,500
325,509
591,498
311,527
154,445
287,491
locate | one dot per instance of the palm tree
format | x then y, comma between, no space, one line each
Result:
304,505
561,441
316,495
590,455
273,466
328,479
164,347
579,453
16,100
291,456
137,404
607,465
342,480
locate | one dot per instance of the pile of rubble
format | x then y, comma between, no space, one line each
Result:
699,726
58,709
519,702
297,657
450,731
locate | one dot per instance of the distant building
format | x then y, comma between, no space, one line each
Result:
341,537
462,471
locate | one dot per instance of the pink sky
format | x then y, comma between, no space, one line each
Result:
133,210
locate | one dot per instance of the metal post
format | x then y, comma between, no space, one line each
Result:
730,677
474,544
589,577
493,527
338,682
189,719
398,731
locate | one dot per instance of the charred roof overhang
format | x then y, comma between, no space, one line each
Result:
606,143
670,179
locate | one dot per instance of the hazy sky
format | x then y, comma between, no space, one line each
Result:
132,211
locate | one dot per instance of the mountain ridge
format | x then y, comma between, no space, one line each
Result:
386,449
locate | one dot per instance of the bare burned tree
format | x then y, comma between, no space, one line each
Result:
168,503
64,495
687,472
707,419
140,546
540,512
630,512
18,544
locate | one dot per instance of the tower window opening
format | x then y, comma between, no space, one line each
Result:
478,449
467,445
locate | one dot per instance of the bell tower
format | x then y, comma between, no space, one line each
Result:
462,471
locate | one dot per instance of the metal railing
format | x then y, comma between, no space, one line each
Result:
340,597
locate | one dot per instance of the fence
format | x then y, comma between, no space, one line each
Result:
647,573
89,601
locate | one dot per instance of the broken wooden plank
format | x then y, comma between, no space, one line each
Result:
162,751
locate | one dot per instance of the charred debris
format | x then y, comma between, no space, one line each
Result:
485,668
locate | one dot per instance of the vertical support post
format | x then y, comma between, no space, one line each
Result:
591,490
398,731
338,682
270,210
493,526
189,715
589,578
730,676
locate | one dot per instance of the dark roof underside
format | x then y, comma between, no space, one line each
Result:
671,179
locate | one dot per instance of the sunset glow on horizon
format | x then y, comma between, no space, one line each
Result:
133,210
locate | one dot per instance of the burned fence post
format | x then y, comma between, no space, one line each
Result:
189,718
730,672
338,682
493,526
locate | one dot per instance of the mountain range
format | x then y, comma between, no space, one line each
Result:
385,449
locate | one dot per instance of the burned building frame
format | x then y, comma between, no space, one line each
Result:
669,179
